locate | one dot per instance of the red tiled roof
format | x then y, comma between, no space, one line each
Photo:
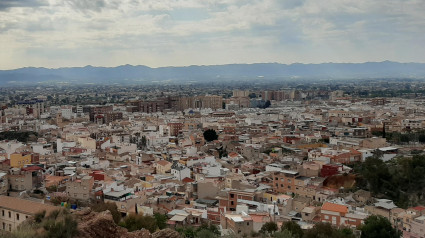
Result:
32,168
335,207
188,180
419,208
163,162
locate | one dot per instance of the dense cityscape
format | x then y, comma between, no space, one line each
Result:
212,119
340,159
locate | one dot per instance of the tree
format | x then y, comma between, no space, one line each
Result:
283,234
136,222
205,234
294,228
326,230
161,220
210,135
144,142
269,227
377,227
267,104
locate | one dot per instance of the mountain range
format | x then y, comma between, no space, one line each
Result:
129,74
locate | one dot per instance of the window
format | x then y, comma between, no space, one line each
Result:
17,217
326,217
10,215
232,195
2,212
281,185
231,203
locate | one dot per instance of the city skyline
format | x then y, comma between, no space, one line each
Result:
108,33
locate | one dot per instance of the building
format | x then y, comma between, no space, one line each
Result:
80,188
19,160
14,211
95,110
230,201
333,213
180,172
175,128
287,181
163,167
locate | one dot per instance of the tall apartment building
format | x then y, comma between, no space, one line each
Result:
35,107
95,110
278,95
240,93
152,106
201,102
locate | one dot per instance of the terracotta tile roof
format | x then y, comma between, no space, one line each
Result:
335,207
25,206
188,180
233,154
163,162
32,168
419,208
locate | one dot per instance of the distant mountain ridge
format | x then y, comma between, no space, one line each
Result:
128,74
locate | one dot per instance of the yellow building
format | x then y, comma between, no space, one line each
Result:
18,160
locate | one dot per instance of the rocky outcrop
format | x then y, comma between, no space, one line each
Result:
166,233
92,225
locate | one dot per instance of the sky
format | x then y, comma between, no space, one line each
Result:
156,33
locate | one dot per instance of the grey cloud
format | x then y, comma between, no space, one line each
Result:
6,4
87,5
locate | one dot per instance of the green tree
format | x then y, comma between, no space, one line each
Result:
293,228
269,227
161,220
267,104
136,222
210,135
204,233
377,227
283,234
322,230
144,142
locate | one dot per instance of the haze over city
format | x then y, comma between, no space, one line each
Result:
66,33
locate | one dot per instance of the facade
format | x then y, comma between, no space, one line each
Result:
163,167
14,211
19,160
80,188
231,200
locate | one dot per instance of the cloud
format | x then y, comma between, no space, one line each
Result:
7,4
87,5
183,32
